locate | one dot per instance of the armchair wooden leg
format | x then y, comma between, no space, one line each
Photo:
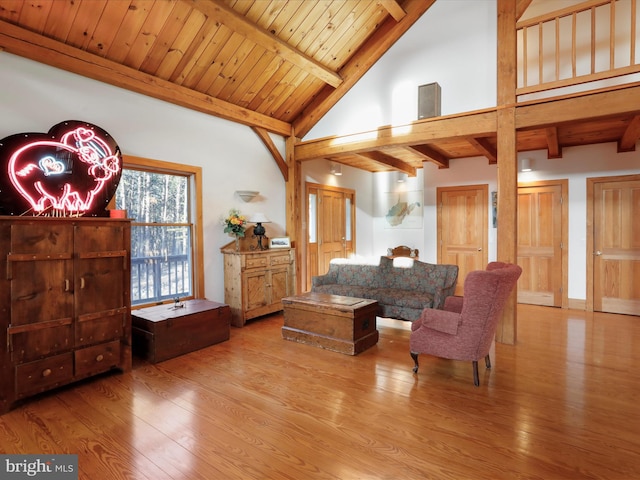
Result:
415,360
476,377
487,361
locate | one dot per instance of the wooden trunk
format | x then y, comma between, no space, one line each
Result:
164,331
341,324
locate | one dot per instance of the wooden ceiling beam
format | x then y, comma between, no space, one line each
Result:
394,9
630,136
376,46
386,159
215,9
431,155
553,146
25,43
484,146
579,107
476,124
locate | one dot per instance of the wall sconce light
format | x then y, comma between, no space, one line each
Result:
247,195
401,177
336,169
525,165
259,230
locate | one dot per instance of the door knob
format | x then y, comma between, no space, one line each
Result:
598,253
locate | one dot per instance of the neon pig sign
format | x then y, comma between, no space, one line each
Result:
72,170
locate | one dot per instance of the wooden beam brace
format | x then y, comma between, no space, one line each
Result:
553,146
390,161
230,18
27,44
266,139
394,9
431,155
630,136
485,148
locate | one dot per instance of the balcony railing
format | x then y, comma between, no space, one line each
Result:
589,42
155,279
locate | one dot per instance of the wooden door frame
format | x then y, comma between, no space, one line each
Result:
591,185
564,188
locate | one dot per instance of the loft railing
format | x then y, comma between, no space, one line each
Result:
154,279
592,41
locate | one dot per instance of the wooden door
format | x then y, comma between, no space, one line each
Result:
330,227
462,229
616,244
40,268
540,244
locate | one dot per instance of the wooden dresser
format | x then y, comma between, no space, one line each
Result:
255,281
65,309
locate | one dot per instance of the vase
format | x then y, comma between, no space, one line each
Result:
237,244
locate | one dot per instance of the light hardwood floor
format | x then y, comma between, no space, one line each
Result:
564,403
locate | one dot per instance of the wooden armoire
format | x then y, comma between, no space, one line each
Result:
65,309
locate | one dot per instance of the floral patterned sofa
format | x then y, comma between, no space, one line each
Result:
402,289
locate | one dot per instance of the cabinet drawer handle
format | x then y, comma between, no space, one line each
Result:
66,284
81,283
46,372
99,358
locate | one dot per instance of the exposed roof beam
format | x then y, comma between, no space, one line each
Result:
553,147
266,139
379,42
630,136
27,44
386,159
431,155
394,9
485,147
230,18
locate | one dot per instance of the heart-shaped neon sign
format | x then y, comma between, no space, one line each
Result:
73,170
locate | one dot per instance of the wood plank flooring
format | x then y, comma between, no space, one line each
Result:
564,403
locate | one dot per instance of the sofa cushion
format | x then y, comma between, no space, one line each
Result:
403,298
359,275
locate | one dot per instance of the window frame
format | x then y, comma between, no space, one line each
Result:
194,175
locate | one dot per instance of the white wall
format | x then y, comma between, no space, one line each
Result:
34,97
453,43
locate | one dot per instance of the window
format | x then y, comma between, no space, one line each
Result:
160,203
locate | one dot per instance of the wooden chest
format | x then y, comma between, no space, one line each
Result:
341,324
164,331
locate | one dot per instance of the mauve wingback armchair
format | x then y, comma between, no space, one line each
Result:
465,328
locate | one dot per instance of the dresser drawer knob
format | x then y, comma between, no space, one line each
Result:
46,372
99,358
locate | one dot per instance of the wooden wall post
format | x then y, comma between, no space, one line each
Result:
507,158
293,206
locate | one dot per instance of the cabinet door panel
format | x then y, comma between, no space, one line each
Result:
255,290
99,238
99,284
40,340
46,238
91,329
279,284
41,291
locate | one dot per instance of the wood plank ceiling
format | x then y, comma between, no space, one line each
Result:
275,65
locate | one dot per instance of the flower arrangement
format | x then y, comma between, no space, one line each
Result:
235,223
